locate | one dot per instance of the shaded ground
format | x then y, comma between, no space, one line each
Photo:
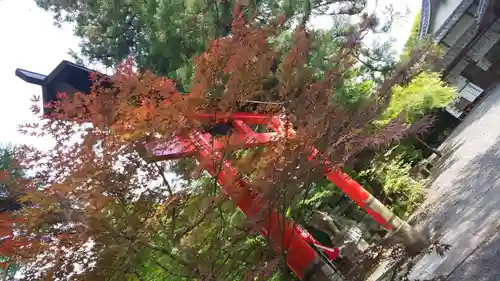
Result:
463,208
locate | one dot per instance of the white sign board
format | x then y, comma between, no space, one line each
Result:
470,92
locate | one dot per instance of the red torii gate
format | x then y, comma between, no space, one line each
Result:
302,259
300,253
207,149
287,237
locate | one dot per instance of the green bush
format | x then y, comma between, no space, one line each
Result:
392,171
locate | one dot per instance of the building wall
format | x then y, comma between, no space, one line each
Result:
469,91
465,22
443,12
470,40
484,44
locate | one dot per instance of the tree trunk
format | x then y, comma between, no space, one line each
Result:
437,152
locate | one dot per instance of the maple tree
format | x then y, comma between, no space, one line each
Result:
95,209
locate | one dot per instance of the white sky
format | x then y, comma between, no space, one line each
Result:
30,41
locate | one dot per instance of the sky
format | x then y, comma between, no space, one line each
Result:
31,41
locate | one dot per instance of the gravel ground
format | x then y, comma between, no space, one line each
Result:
463,207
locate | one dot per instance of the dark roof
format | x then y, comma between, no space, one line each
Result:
76,76
30,77
427,16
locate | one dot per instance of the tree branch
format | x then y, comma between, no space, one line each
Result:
345,7
152,247
373,67
216,202
165,181
170,272
164,251
138,276
164,268
265,102
307,12
170,191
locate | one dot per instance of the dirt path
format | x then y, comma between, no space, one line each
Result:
463,207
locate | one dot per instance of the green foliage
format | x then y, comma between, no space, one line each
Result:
7,160
424,93
351,91
9,172
354,93
407,152
392,171
161,35
391,168
320,194
164,36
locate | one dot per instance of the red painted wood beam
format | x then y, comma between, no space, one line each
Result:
284,236
244,137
